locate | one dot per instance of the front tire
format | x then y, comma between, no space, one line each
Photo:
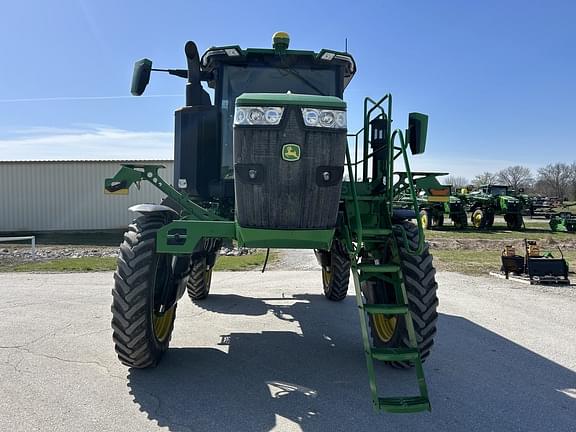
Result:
419,279
478,218
440,220
460,221
426,218
514,221
141,329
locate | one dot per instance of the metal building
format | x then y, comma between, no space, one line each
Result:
68,195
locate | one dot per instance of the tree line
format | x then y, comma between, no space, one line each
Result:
553,180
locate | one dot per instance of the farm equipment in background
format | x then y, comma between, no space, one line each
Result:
563,221
263,165
534,266
490,200
435,201
544,206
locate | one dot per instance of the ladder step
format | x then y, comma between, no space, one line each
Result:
404,404
386,309
379,268
375,232
395,354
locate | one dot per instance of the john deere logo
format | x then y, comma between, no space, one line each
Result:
291,152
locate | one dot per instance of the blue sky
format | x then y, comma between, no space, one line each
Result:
498,78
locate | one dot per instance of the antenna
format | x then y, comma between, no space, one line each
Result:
346,45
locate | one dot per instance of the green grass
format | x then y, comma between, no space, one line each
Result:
66,265
474,262
244,262
91,264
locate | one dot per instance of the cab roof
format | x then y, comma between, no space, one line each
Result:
234,54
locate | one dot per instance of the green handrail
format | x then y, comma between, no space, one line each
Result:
367,112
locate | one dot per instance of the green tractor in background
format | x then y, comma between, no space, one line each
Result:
491,200
262,162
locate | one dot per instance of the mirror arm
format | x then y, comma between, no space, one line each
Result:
182,73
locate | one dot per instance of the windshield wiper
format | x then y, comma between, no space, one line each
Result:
305,81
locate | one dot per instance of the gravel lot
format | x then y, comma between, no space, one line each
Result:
268,352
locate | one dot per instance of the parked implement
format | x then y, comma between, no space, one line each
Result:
262,163
490,200
535,266
435,201
563,221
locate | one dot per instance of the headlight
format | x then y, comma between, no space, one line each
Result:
324,118
258,115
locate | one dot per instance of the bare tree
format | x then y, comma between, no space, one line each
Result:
556,179
516,177
457,182
485,178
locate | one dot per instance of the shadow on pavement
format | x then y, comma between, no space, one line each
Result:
478,380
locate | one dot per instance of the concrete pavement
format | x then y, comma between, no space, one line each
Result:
268,352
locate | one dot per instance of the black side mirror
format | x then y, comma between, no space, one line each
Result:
417,130
141,76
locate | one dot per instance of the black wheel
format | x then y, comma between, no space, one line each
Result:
335,271
514,221
440,220
200,278
489,219
146,286
460,221
426,218
421,287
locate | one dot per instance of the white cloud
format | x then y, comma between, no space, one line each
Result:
87,142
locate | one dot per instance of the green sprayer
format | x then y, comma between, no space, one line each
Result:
267,162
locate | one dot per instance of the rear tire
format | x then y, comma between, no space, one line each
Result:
421,287
142,333
200,279
335,271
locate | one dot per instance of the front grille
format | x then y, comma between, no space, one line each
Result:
274,193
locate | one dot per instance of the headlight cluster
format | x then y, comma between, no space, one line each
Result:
258,115
324,118
271,116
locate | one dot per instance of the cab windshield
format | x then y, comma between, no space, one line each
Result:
498,190
266,79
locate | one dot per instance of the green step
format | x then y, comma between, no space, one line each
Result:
404,404
395,354
379,268
386,309
375,232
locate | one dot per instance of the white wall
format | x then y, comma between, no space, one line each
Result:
68,195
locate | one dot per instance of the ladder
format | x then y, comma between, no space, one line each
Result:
391,273
379,187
